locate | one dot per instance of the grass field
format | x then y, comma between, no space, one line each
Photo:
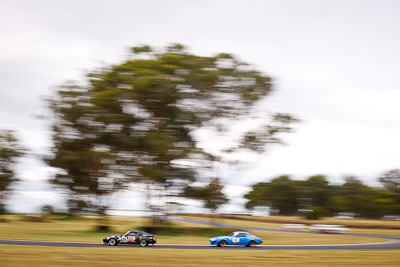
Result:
81,230
357,226
119,256
279,220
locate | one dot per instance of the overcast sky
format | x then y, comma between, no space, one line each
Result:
335,63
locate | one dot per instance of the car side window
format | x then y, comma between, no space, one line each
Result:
242,235
133,234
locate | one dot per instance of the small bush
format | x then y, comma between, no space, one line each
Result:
2,209
34,218
103,228
47,209
315,213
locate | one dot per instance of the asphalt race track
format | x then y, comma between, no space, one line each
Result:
393,243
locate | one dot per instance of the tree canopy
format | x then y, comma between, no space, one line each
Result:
134,121
10,150
211,195
391,181
315,194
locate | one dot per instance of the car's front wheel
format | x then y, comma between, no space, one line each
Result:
222,243
112,242
251,243
143,243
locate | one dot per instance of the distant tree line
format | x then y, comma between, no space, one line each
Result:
316,197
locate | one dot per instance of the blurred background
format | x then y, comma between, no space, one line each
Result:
245,107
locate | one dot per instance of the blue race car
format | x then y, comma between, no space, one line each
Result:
236,238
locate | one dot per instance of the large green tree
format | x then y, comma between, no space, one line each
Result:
391,181
135,121
315,197
211,194
89,170
10,151
359,196
316,191
280,193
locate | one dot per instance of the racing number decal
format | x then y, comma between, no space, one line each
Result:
236,240
131,239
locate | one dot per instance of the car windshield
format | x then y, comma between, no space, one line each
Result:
234,234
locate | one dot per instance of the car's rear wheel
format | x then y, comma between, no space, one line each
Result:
143,243
251,243
112,242
222,243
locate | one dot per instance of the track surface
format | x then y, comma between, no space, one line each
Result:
394,243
